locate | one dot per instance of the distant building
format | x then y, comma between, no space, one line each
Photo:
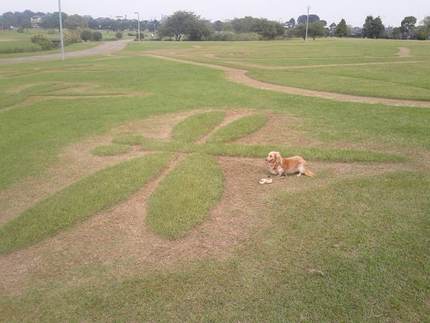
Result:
36,21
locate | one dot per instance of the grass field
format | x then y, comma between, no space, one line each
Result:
293,63
14,44
129,186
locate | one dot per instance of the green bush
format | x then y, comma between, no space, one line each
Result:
86,35
96,36
231,36
118,35
72,37
42,41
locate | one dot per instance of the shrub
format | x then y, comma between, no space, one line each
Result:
231,36
72,37
42,41
118,35
96,36
20,30
86,35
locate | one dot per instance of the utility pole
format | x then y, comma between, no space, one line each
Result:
138,26
61,30
307,24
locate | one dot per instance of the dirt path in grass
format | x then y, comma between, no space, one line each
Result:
293,67
105,48
240,76
404,52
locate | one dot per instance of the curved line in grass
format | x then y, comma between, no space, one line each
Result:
79,201
111,150
239,128
185,197
197,126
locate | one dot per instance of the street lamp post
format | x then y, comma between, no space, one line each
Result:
307,24
61,30
138,26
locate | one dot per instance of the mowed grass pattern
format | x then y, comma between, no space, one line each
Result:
185,196
196,126
239,128
356,251
260,151
79,201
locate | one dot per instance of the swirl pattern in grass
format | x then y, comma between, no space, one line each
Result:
185,197
239,128
195,127
79,201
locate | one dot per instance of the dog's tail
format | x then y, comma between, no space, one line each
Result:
309,173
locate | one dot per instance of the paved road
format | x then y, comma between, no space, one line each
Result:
105,48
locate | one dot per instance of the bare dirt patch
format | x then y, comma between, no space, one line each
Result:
280,129
404,52
158,127
119,241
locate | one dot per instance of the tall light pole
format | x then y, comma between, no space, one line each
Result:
61,30
307,24
138,26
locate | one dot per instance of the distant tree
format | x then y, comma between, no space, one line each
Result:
367,27
291,23
312,18
75,22
268,29
332,29
185,24
316,29
51,20
378,28
373,27
218,25
342,29
200,30
396,33
407,27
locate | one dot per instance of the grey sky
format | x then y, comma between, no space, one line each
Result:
391,11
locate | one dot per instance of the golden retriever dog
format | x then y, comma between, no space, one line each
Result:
283,166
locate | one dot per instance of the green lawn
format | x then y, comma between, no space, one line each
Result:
404,81
14,44
339,250
172,212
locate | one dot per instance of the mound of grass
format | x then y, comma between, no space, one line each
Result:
79,201
196,126
239,128
111,150
185,196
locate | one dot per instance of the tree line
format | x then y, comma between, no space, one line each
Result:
184,25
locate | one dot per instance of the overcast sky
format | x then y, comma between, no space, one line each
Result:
391,11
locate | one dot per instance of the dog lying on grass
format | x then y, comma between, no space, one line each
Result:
284,166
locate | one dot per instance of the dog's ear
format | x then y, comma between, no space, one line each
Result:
278,157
